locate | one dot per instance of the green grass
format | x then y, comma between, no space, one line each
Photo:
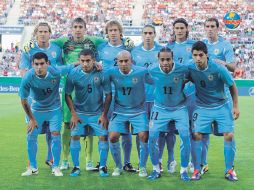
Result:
13,159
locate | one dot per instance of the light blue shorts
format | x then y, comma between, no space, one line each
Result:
89,126
53,118
161,118
120,123
204,117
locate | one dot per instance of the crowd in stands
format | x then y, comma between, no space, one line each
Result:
160,12
9,64
5,6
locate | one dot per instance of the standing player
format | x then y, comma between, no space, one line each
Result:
129,107
42,84
71,47
108,52
145,55
212,105
87,109
181,47
42,34
169,105
221,52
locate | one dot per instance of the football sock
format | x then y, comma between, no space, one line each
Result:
56,149
75,148
103,151
143,154
66,138
127,145
116,153
32,147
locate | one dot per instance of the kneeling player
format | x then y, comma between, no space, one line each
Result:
87,108
212,106
169,105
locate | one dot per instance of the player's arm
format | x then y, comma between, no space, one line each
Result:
68,98
32,122
103,120
234,95
230,66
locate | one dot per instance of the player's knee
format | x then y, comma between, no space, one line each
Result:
228,136
197,136
103,138
75,138
55,133
143,136
114,137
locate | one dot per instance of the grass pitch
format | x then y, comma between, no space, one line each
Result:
13,159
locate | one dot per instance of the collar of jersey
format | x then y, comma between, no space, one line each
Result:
184,42
113,45
212,43
42,48
173,68
147,49
43,77
126,74
204,69
85,72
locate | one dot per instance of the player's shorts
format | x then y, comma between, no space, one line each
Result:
149,107
204,117
120,123
54,119
161,118
89,126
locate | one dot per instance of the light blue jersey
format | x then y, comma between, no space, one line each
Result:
209,84
44,92
53,52
89,88
129,90
169,86
108,53
146,58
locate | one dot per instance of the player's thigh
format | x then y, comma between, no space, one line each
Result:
119,123
98,129
139,123
224,119
55,120
202,119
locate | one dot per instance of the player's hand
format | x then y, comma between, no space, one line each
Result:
29,45
235,113
128,43
103,120
74,121
220,62
98,66
32,125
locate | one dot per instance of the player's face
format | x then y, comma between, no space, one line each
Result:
43,34
114,34
87,62
180,31
200,59
166,61
148,35
40,66
211,29
124,63
78,30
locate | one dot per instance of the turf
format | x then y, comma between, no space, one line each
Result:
13,159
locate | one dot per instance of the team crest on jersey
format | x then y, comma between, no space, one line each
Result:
188,49
210,77
134,80
150,124
96,79
216,51
53,81
53,53
176,79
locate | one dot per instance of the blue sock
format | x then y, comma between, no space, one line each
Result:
138,146
153,147
75,149
116,153
56,149
205,144
161,144
170,140
127,145
48,140
184,148
143,154
234,150
197,146
103,151
228,154
32,147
